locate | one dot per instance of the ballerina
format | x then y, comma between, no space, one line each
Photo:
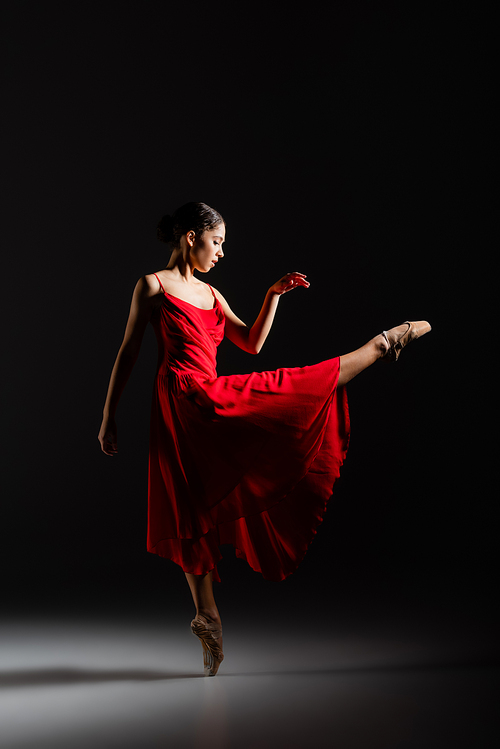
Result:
248,460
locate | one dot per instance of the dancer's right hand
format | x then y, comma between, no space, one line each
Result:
108,437
289,282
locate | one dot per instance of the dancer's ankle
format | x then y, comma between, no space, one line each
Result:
381,344
209,615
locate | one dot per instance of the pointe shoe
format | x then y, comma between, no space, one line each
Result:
212,653
415,330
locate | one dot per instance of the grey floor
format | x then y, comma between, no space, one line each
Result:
116,681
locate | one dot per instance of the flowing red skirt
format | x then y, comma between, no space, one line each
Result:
247,460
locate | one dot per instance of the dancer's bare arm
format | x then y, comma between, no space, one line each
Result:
141,308
252,339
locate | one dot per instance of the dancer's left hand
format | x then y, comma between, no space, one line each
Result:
289,282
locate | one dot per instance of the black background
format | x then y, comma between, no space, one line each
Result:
343,142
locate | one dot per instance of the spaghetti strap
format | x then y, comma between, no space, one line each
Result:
161,285
213,292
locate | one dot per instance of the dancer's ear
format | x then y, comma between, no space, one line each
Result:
190,236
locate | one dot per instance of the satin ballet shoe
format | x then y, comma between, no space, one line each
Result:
212,652
415,330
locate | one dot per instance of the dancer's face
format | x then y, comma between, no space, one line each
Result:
206,250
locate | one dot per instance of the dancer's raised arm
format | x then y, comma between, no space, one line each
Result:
252,339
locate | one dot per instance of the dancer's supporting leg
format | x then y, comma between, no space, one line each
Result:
207,624
201,587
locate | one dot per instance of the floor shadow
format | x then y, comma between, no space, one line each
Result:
478,663
62,676
58,676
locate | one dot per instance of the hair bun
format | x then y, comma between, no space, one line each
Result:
165,229
197,217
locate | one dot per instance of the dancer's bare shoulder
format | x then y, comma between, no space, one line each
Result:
147,292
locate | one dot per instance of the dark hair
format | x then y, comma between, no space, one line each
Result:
197,217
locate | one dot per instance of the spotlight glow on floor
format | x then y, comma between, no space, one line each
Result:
124,684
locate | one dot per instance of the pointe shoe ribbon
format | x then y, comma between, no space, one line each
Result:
415,330
209,633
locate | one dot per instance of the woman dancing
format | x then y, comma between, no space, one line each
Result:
248,460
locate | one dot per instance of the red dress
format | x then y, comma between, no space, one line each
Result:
248,460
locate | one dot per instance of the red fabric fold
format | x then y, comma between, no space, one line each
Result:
248,460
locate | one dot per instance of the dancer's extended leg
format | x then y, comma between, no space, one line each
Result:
355,362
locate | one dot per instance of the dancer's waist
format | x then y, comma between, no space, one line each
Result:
186,379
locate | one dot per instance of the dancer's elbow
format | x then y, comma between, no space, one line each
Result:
255,349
